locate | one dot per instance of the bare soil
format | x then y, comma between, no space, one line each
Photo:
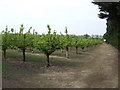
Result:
97,67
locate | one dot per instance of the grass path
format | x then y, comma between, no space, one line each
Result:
95,68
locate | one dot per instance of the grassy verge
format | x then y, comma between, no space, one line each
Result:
39,59
58,54
19,55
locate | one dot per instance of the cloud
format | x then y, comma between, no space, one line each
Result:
58,13
106,0
38,7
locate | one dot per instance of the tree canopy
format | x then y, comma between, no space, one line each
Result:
111,12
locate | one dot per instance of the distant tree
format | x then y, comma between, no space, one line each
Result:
86,36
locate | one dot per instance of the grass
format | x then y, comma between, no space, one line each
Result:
0,66
58,54
40,59
63,63
13,55
35,51
19,55
5,66
0,51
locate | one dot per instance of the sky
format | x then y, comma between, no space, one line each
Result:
106,0
79,16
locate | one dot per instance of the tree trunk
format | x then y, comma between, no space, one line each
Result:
82,49
76,50
61,50
23,55
4,53
67,55
48,63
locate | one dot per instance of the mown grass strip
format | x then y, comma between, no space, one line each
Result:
41,59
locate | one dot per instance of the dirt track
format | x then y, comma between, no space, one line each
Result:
95,68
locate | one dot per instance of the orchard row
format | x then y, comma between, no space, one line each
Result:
47,43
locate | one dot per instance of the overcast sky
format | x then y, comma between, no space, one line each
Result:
79,16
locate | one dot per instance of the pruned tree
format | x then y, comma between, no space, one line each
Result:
47,43
67,42
23,40
5,40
